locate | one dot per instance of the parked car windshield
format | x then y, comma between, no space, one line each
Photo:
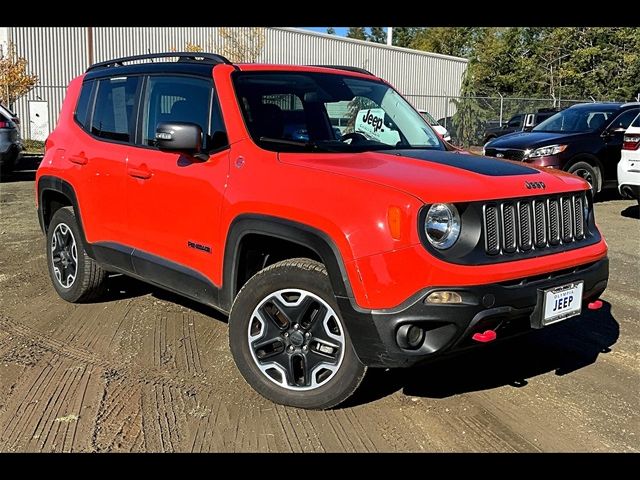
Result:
573,120
430,120
328,112
636,122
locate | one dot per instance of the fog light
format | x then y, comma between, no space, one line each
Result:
410,336
415,335
444,297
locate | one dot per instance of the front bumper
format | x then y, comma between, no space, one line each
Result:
505,307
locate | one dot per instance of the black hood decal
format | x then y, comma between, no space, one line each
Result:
473,163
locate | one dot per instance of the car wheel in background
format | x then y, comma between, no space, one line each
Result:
587,172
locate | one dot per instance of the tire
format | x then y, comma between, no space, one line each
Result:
89,278
293,337
588,172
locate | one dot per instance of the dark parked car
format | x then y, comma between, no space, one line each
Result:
522,122
584,139
10,141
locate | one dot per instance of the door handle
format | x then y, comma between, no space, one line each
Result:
78,159
143,172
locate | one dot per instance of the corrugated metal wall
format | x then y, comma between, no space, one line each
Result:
56,55
59,54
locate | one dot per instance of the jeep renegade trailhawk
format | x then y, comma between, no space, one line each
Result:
316,208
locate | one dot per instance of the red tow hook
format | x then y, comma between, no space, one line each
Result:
595,305
484,337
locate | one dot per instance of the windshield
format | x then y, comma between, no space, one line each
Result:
329,112
430,120
636,122
573,120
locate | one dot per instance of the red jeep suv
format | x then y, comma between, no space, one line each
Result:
316,208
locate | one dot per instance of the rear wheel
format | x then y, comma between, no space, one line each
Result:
587,172
288,340
75,276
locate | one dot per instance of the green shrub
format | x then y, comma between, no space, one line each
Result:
33,146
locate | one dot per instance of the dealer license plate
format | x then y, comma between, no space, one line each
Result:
562,302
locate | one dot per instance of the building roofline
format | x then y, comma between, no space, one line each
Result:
371,44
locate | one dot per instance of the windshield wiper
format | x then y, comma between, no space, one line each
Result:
284,141
329,146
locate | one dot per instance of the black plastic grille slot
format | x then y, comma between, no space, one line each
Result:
554,221
491,228
567,219
525,226
578,203
508,228
543,222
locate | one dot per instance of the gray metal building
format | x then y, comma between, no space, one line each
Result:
57,54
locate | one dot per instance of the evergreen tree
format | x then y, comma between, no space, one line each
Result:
377,34
359,33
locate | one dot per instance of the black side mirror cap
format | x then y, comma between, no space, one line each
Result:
179,137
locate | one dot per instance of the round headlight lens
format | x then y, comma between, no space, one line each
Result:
442,225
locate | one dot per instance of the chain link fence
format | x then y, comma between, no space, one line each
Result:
470,120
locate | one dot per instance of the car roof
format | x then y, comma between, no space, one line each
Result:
202,63
606,105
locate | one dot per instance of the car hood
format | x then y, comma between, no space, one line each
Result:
438,176
524,140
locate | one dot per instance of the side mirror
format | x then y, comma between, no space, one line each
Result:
179,137
618,131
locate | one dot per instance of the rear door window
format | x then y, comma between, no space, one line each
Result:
177,99
113,115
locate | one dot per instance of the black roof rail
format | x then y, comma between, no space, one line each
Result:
212,58
345,67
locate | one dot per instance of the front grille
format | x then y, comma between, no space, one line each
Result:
508,153
512,226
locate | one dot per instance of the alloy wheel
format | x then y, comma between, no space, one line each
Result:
64,255
296,339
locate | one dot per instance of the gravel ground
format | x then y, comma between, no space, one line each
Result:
145,370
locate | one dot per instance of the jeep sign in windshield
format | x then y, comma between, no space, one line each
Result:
328,112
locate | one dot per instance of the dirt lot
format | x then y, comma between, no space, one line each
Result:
147,371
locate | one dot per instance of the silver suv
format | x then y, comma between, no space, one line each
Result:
10,142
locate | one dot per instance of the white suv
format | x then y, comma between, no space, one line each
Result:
629,165
440,130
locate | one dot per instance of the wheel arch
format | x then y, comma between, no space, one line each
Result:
55,193
285,230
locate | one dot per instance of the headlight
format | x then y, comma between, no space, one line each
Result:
442,225
545,151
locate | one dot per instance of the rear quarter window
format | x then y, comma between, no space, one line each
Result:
82,107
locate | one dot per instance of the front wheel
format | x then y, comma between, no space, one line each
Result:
288,340
587,172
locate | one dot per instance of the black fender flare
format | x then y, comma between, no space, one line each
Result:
57,184
316,240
